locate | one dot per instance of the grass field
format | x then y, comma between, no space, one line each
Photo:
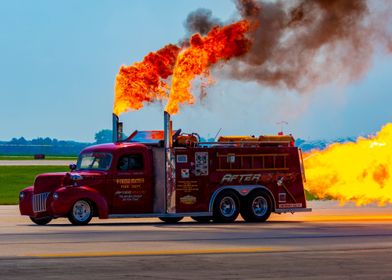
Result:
32,157
15,178
310,196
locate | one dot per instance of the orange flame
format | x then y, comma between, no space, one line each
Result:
221,43
359,172
144,82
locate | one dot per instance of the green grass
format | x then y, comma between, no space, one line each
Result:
310,196
14,178
32,157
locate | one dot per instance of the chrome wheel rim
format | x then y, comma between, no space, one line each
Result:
259,206
81,210
227,206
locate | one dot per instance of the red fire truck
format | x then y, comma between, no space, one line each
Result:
169,175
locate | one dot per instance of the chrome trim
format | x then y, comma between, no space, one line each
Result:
39,202
292,210
238,189
161,215
301,163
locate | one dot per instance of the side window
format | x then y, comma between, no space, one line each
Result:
130,162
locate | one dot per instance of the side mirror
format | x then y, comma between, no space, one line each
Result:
72,166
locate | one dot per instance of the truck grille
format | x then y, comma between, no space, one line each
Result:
39,202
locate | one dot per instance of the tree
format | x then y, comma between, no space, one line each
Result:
104,136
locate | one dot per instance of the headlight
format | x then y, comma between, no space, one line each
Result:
55,196
21,195
76,177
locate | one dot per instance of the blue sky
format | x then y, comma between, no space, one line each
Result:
59,60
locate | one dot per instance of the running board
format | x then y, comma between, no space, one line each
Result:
161,215
292,210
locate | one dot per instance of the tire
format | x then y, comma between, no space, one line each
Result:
257,207
41,221
171,220
81,213
226,207
202,219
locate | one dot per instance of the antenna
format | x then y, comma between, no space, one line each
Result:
217,134
282,123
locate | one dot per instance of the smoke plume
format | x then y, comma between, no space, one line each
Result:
201,21
302,44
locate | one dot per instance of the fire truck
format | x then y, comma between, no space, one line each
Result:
170,175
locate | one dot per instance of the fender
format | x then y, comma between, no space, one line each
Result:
68,195
25,204
242,190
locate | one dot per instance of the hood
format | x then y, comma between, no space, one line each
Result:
49,182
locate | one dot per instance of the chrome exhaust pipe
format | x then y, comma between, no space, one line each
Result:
170,165
167,131
117,129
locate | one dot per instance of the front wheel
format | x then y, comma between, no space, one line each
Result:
171,220
257,207
81,212
226,207
41,221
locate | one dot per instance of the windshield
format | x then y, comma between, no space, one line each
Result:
94,161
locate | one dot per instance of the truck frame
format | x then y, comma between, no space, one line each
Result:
172,177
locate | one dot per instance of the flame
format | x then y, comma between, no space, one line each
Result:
143,82
220,44
359,172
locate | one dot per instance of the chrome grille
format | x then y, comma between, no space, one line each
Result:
39,202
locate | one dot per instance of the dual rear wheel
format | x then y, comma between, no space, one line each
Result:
255,207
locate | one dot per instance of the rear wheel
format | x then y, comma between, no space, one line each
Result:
171,220
41,221
226,207
81,212
202,219
257,207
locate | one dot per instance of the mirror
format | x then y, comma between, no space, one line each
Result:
72,166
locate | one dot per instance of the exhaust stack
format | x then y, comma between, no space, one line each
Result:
167,131
170,164
117,129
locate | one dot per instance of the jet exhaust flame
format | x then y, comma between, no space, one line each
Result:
359,172
220,44
145,82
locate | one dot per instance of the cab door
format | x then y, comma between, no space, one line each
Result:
132,183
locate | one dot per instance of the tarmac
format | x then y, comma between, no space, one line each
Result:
332,242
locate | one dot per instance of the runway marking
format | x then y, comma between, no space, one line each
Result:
154,253
348,218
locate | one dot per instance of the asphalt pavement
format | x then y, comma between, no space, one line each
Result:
332,242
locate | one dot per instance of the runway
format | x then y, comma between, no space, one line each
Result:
332,242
